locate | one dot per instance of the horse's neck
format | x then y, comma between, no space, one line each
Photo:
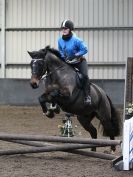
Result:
53,62
61,74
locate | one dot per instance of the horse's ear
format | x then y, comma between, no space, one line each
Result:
33,54
36,54
30,53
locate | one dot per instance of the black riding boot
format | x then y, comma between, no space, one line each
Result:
87,99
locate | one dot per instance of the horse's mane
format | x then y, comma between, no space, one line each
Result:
52,50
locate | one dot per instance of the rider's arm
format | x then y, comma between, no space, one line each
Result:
82,48
60,50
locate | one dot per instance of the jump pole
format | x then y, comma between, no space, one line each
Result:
42,144
6,136
37,149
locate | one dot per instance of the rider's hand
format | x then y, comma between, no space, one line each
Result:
68,61
70,58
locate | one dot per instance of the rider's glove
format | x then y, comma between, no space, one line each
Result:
70,58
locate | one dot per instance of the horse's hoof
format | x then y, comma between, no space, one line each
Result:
107,151
57,109
50,114
93,149
112,152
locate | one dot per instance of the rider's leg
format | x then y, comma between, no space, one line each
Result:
83,68
87,90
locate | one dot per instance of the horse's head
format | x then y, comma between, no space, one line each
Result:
38,67
40,63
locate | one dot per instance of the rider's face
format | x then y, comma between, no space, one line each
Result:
65,31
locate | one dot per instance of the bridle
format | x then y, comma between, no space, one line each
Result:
40,75
34,70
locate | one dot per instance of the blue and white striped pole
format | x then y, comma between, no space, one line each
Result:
128,144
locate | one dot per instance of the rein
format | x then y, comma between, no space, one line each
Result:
51,72
48,73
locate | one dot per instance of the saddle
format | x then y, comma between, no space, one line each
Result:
80,79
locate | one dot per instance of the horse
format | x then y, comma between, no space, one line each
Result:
62,88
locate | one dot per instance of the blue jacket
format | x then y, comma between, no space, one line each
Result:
74,47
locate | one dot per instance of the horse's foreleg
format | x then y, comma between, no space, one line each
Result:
42,101
87,125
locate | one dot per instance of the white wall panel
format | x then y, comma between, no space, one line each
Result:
130,12
104,46
0,12
30,25
106,73
50,13
130,39
0,38
18,43
22,72
0,45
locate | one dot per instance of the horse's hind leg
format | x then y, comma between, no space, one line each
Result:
107,129
105,119
87,125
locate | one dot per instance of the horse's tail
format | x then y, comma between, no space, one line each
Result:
115,119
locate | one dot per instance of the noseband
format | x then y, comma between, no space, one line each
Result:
35,69
40,74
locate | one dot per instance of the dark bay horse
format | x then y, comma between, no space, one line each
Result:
61,87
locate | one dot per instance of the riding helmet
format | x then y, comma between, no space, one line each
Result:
67,24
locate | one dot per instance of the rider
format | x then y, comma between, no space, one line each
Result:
72,50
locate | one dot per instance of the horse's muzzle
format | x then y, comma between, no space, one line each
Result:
34,82
34,85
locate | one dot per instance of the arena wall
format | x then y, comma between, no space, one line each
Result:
105,25
19,91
